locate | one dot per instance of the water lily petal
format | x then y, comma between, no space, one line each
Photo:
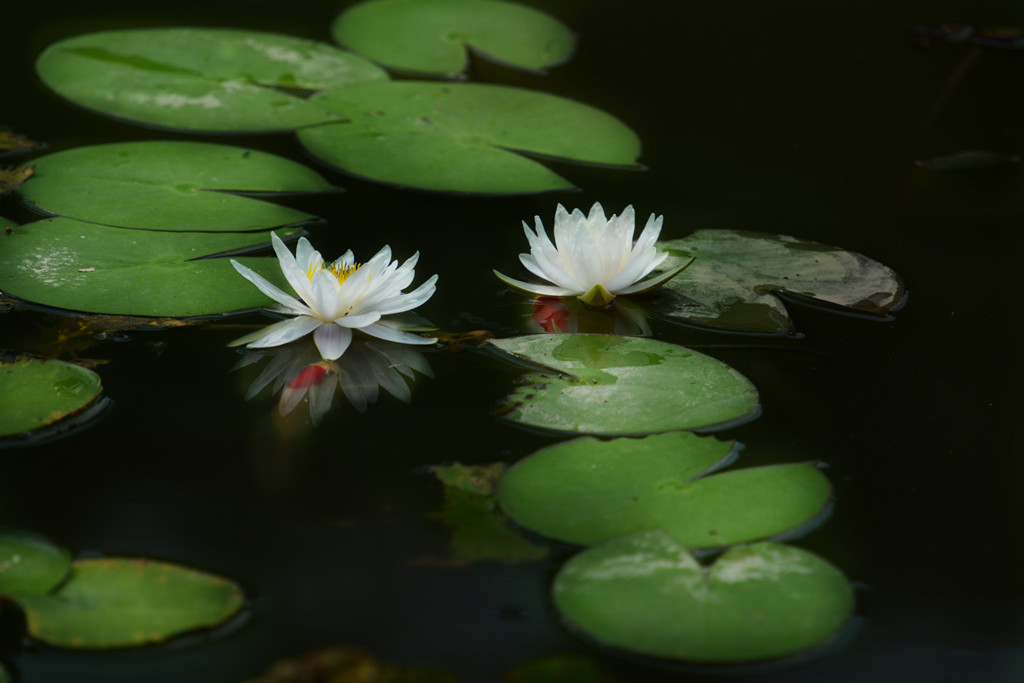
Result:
407,302
357,321
292,304
655,282
296,275
382,330
531,288
286,331
332,340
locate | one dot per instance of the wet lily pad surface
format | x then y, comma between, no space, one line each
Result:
645,593
169,185
124,602
602,384
29,563
201,79
36,392
433,36
586,491
80,266
736,276
464,137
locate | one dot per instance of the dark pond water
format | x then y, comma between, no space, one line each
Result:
796,117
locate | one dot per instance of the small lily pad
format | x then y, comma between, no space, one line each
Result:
647,594
586,491
464,137
201,79
80,266
734,282
127,602
169,185
36,392
29,563
603,384
432,36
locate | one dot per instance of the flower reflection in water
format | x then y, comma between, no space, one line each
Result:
298,372
555,314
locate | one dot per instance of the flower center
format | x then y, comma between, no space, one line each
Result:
338,270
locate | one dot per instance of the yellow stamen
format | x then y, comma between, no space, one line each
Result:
337,269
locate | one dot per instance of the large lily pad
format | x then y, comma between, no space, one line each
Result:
29,563
201,79
36,392
80,266
432,36
647,594
586,491
169,185
734,281
603,384
126,602
459,137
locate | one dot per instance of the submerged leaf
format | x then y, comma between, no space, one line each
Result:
479,530
127,602
29,563
586,491
14,142
645,593
13,177
36,392
432,36
345,664
601,384
169,185
85,267
734,281
460,137
201,79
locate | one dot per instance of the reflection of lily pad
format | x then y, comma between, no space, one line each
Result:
586,491
30,564
35,392
201,79
169,186
733,282
123,602
458,136
601,384
80,266
432,36
647,594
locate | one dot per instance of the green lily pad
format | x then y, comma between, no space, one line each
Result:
603,384
479,530
734,281
432,36
29,563
80,266
170,185
35,392
586,491
201,79
127,602
463,137
647,594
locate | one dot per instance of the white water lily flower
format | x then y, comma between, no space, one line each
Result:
593,257
338,298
